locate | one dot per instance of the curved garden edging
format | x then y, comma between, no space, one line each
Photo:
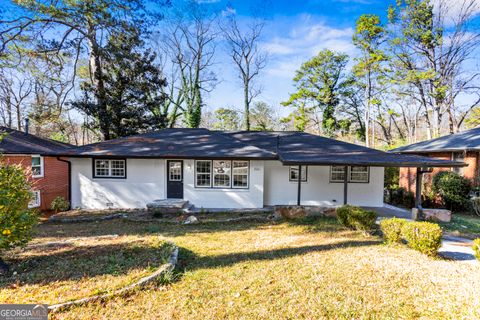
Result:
162,270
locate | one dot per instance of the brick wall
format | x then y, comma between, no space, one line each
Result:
408,175
54,182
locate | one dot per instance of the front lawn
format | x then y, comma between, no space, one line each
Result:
253,270
463,225
58,266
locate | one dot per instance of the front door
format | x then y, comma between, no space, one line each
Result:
175,179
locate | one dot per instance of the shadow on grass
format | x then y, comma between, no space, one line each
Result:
75,263
190,261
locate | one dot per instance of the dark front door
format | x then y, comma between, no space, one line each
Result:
175,179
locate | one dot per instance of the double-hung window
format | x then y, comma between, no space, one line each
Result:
358,174
221,174
293,174
110,168
203,173
240,174
222,171
37,166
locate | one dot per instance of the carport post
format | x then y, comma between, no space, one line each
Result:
418,189
345,185
299,192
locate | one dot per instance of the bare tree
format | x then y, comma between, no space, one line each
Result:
190,40
432,42
246,55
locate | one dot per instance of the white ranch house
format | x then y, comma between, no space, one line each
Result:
214,169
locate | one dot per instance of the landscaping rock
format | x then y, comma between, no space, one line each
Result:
442,215
166,206
191,220
290,212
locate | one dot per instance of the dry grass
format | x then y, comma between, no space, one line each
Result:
284,271
53,270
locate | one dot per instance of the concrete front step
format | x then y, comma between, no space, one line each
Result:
162,206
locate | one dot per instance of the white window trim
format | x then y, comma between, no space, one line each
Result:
42,167
169,173
203,173
229,175
301,178
248,175
349,175
212,175
36,196
109,176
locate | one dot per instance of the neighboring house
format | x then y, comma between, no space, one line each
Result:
214,169
463,146
48,175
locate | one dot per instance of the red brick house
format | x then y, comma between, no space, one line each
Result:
49,175
463,146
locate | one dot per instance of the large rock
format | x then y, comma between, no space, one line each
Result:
290,212
442,215
191,220
166,206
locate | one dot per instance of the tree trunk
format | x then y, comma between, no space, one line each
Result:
247,105
97,80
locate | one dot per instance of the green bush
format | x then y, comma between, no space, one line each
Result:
16,219
425,237
402,197
392,230
59,204
476,248
453,189
356,218
343,214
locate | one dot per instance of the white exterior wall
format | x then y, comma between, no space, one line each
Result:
145,182
318,190
268,185
225,198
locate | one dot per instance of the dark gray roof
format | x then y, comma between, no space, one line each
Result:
466,140
174,143
294,148
17,142
299,148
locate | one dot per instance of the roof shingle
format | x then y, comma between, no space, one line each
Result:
462,141
17,142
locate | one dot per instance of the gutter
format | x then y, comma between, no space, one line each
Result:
69,164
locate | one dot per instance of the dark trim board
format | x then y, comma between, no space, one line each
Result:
211,175
330,175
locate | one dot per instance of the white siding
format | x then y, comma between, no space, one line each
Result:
145,182
225,198
318,190
268,185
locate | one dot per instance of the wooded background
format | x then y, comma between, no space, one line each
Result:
84,71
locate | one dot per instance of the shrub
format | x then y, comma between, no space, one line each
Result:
476,248
392,230
425,237
16,219
343,214
59,204
453,189
356,218
402,197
